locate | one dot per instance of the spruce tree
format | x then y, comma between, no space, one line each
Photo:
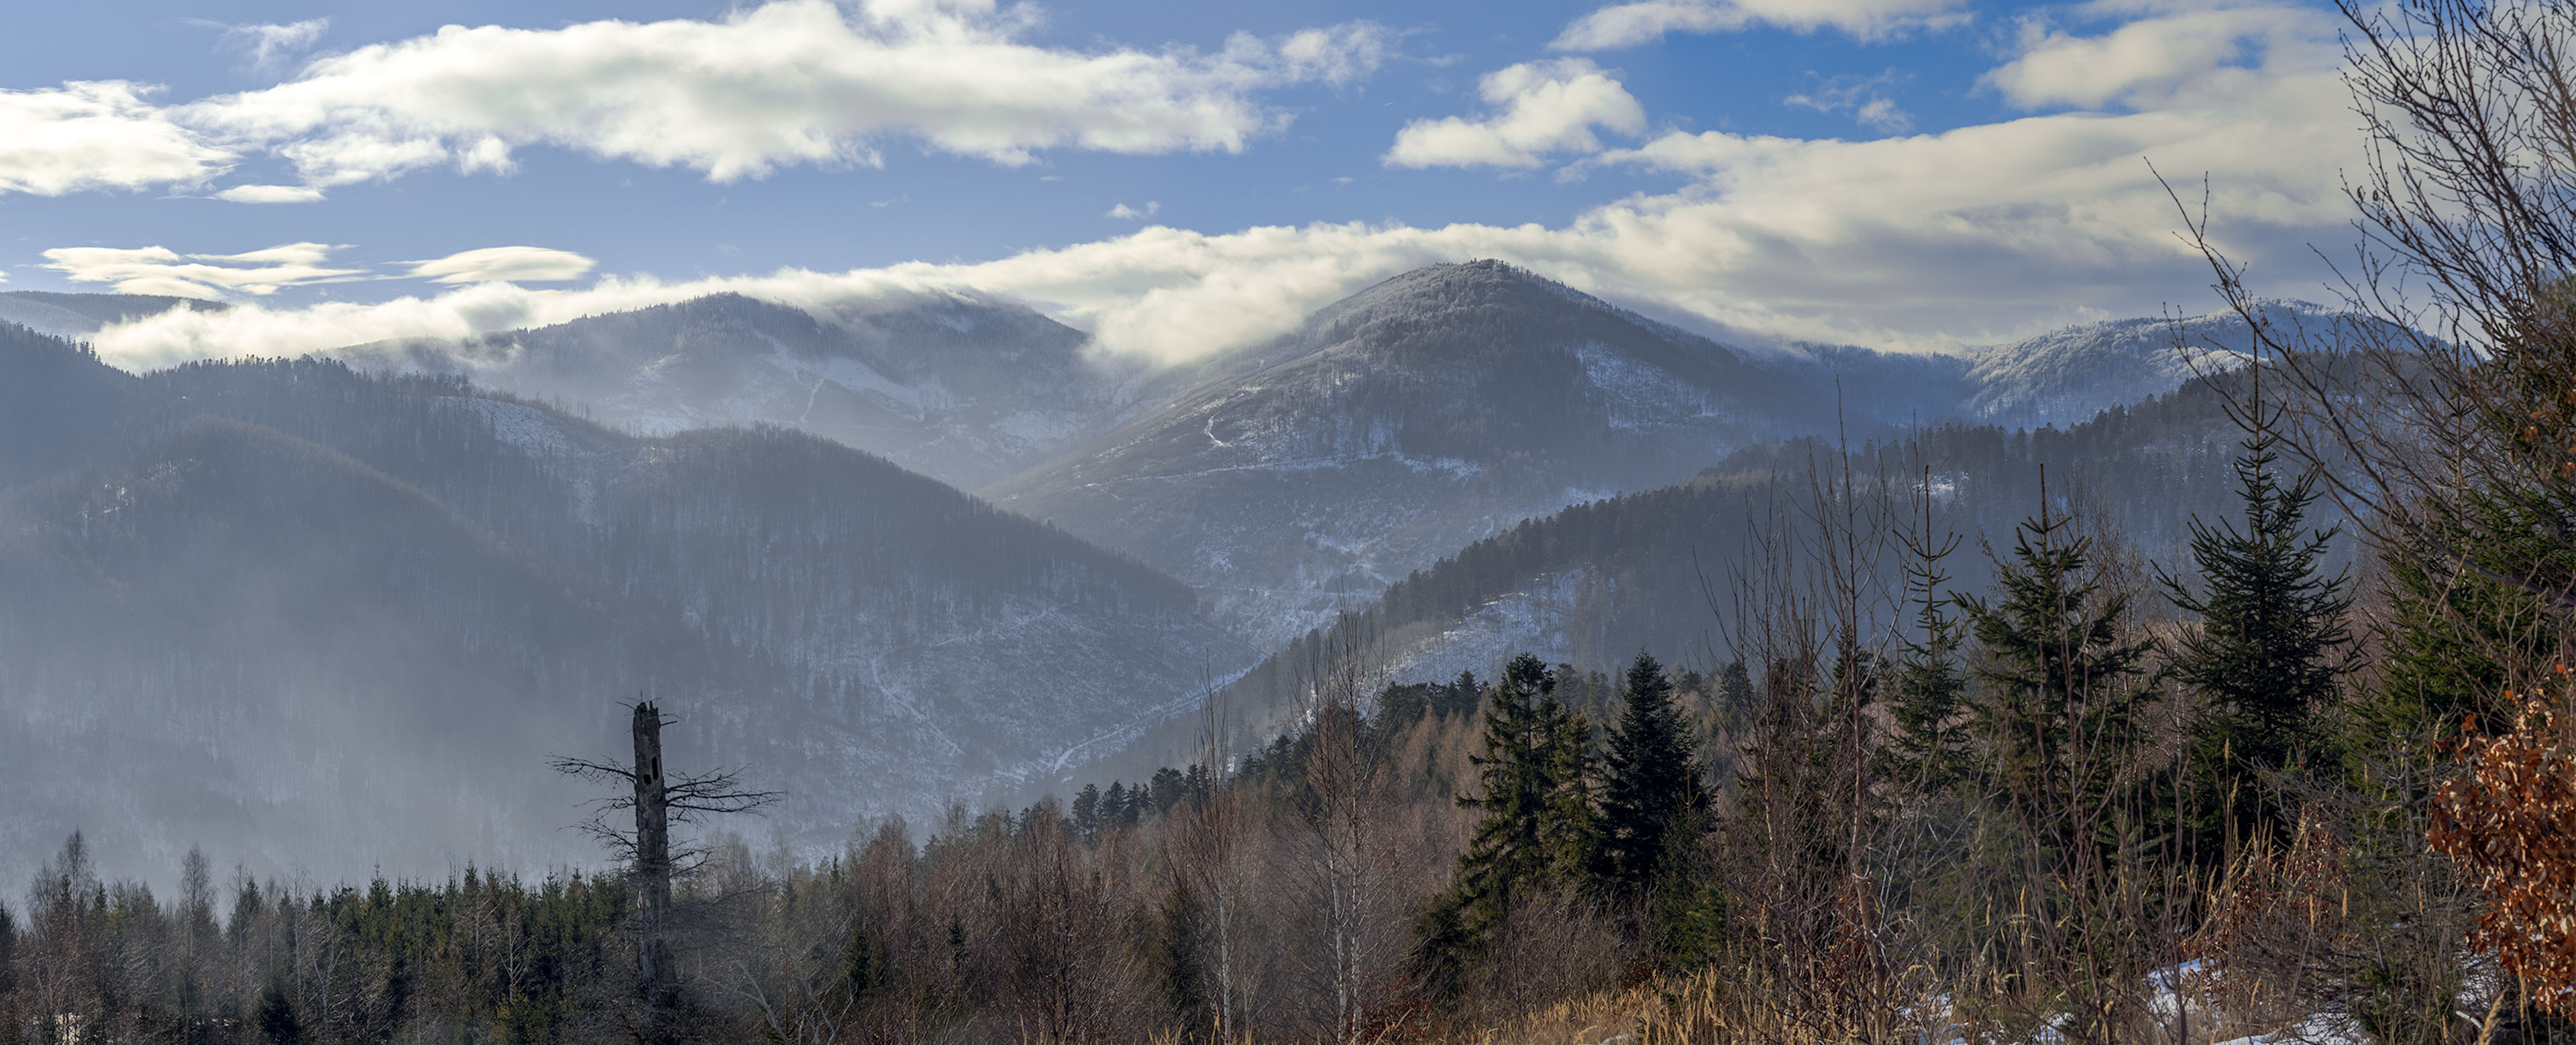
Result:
2061,688
2058,705
1569,826
1653,799
1531,836
1086,812
2446,648
1931,685
2263,661
273,1014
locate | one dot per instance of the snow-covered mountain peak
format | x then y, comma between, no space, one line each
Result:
2066,376
957,386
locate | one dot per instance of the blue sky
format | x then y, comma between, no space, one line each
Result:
1179,177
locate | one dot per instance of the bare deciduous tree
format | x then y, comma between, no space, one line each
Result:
1342,818
1206,843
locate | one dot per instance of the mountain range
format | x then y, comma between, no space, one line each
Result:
1293,479
925,547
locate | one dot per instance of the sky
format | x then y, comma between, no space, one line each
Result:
1176,177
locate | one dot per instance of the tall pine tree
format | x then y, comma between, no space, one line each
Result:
1931,685
1655,809
1653,798
2061,686
2263,661
1537,830
2061,689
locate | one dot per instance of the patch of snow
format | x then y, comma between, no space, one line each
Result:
1039,427
533,431
859,377
1455,468
1636,395
1529,621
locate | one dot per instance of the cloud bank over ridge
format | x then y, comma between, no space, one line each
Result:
1974,234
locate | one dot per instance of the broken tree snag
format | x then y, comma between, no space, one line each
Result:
659,799
652,849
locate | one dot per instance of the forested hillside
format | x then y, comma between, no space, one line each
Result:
1395,427
323,593
60,400
1591,585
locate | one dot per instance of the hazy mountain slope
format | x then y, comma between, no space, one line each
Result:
78,315
1875,390
958,388
863,637
1431,410
56,399
229,636
1593,584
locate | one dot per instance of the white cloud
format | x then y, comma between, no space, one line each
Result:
97,134
269,43
1978,234
1627,25
1865,97
2173,58
509,264
160,270
271,194
790,82
1544,107
1124,212
1339,55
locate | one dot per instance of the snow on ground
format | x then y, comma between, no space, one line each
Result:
1638,395
1530,621
531,430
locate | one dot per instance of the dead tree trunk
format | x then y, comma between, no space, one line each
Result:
658,800
652,852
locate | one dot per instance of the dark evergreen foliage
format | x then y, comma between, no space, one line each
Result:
1402,704
1086,812
2455,642
2061,685
1654,798
2264,660
1535,830
1931,683
273,1015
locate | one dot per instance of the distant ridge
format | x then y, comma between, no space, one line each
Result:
322,593
1424,412
958,387
80,315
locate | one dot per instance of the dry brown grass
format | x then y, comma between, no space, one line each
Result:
1707,1007
1732,1007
